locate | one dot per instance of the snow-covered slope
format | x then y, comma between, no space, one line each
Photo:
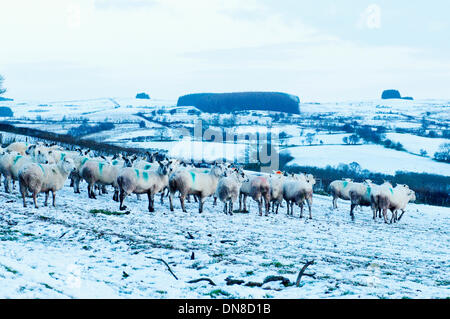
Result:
375,158
69,252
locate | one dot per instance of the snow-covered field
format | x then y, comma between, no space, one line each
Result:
69,252
375,158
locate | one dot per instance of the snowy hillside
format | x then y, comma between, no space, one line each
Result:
70,252
374,158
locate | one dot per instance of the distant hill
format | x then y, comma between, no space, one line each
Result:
5,99
238,101
143,95
394,94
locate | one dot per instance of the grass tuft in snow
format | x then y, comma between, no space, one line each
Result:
107,212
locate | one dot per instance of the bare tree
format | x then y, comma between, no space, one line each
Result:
2,90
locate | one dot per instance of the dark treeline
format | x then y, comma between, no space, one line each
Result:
69,141
230,102
86,129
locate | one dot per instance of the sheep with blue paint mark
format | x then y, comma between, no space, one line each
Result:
11,162
340,189
103,173
202,185
138,181
43,178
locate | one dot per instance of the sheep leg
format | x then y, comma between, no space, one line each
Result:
352,207
188,198
122,196
77,185
170,201
245,203
23,191
267,204
334,202
225,207
162,195
230,205
200,204
385,215
7,182
54,198
259,200
240,202
182,197
91,191
116,195
151,203
215,201
276,210
46,199
34,200
309,201
287,207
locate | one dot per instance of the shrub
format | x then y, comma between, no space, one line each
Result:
6,111
443,153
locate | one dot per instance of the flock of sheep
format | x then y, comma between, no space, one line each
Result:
44,168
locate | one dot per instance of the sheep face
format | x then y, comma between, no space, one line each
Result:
30,149
42,158
412,196
217,170
164,168
68,165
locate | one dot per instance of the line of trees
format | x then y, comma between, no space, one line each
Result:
238,101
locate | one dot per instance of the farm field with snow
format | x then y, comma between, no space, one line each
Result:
71,252
372,157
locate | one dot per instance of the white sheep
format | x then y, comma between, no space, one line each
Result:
19,147
361,195
44,178
296,190
228,189
394,199
258,188
340,189
103,173
187,181
138,181
276,190
12,162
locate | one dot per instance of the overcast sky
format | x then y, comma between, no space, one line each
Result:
321,50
